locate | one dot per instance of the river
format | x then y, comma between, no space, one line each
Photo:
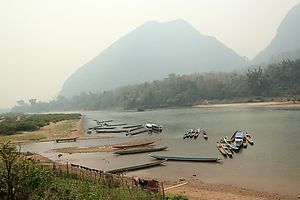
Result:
272,164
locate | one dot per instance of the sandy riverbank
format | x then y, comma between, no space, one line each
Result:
197,190
272,104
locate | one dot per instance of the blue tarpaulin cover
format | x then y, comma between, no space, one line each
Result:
240,134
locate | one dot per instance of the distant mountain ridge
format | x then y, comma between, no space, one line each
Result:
151,52
286,43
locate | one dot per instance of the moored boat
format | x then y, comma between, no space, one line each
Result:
133,126
111,130
238,138
135,144
249,138
136,131
226,149
135,167
140,150
220,148
179,158
245,142
153,127
229,144
204,135
187,134
197,133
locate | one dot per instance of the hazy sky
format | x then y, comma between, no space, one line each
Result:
42,42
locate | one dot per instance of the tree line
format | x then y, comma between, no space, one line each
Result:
275,80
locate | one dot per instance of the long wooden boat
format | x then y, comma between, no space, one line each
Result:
232,146
178,158
245,143
135,167
119,124
133,126
131,145
103,121
136,128
141,150
103,128
249,138
197,133
226,149
73,139
220,148
204,135
111,131
137,132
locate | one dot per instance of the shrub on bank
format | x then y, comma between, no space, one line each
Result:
12,123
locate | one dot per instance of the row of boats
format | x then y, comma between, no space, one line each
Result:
194,133
239,139
106,126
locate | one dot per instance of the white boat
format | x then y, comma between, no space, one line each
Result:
153,127
238,138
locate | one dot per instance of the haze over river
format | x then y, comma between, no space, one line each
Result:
272,164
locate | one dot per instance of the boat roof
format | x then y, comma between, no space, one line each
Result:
240,134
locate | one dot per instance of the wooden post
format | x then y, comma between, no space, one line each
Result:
67,168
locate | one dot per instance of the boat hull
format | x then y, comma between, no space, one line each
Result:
194,159
134,151
135,167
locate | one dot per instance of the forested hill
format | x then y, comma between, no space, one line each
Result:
277,80
151,52
286,43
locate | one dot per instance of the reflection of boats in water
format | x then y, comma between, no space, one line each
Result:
178,158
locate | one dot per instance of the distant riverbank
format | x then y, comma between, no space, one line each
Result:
273,104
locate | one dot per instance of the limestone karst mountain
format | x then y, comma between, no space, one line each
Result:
151,52
286,43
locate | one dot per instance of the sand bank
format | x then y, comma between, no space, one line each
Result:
272,104
195,189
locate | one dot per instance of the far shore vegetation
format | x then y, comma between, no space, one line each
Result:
276,81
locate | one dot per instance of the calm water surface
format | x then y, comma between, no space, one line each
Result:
271,164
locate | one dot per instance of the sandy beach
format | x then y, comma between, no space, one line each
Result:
271,104
197,190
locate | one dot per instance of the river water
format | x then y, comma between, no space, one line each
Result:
272,164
